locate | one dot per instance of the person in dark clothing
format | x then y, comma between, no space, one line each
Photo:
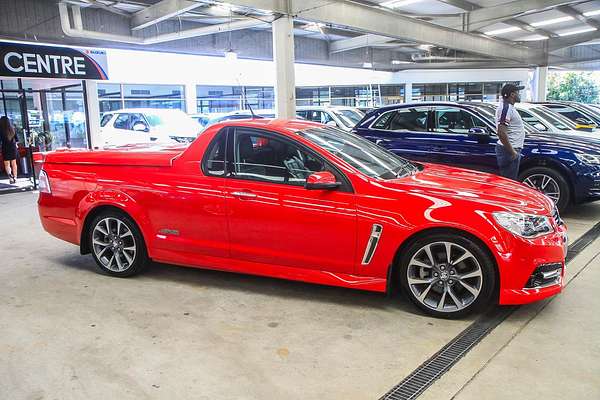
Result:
8,137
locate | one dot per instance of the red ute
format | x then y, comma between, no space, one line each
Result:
308,202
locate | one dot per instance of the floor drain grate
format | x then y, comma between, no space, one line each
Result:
432,369
421,378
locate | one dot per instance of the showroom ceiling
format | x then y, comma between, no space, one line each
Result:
387,34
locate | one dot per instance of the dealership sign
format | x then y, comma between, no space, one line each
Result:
35,61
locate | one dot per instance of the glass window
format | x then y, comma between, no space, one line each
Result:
557,120
362,154
533,120
212,99
214,160
312,96
569,112
264,158
105,119
455,120
405,119
391,94
122,121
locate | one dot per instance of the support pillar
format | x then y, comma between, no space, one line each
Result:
540,83
93,114
285,79
191,103
408,92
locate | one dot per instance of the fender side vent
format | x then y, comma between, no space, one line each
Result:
376,230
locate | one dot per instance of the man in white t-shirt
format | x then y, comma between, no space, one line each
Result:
511,132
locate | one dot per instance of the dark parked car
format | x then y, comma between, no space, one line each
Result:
564,167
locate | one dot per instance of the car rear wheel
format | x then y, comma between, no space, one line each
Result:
447,275
549,182
117,244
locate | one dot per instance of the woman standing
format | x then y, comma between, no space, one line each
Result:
9,148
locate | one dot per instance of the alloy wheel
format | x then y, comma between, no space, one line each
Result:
545,184
114,244
444,276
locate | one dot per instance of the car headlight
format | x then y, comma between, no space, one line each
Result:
524,225
591,159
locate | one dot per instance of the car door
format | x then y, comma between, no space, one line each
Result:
464,139
405,132
273,219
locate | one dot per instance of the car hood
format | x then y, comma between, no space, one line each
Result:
490,192
579,142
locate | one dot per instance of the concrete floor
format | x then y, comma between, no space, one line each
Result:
67,332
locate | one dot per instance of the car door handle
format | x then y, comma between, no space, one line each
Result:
243,195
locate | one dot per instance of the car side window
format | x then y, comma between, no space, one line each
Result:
325,117
262,157
122,121
405,119
455,120
135,118
213,162
533,120
105,119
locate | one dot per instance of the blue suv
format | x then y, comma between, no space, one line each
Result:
565,167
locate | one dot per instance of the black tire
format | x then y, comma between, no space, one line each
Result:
450,309
133,262
532,175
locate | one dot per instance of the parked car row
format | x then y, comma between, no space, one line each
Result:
558,160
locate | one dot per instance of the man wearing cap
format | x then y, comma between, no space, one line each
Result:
511,132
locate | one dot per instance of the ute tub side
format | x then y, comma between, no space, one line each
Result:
82,180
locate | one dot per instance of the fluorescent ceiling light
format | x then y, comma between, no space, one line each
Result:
591,13
584,30
501,31
398,3
425,46
552,21
398,62
367,65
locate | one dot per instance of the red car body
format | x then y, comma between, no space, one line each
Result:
192,219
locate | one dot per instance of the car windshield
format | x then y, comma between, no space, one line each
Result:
362,154
169,118
557,120
353,116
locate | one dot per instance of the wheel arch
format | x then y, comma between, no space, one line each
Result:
392,280
84,247
556,165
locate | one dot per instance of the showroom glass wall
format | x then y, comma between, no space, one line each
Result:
53,110
115,96
477,91
214,99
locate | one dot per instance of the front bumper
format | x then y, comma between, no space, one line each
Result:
527,260
587,184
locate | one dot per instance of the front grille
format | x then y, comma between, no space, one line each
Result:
557,217
545,275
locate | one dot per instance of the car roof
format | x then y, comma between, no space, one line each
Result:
280,125
143,110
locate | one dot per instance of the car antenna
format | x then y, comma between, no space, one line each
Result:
248,104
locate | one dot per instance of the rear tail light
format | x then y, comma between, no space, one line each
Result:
44,183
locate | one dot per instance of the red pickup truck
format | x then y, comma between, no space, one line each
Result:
304,201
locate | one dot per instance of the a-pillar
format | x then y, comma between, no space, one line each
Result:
285,79
540,83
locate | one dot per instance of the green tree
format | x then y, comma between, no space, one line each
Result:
573,86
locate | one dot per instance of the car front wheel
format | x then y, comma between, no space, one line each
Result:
550,183
447,275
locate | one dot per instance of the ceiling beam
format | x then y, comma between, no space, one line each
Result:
359,42
487,16
462,4
161,11
108,7
573,40
572,12
385,22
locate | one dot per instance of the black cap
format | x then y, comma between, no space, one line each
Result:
510,88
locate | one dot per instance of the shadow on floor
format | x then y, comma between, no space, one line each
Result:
280,288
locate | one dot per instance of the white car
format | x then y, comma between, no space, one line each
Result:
147,125
544,119
343,117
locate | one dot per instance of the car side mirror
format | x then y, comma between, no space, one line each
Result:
323,180
140,127
331,123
